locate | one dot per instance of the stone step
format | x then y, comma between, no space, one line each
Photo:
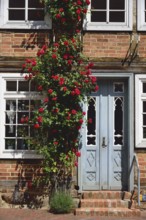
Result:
119,212
103,195
110,203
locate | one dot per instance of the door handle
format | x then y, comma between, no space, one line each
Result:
104,144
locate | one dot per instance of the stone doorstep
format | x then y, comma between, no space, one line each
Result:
103,195
120,212
109,203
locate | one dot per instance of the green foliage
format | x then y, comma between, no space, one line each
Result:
61,202
63,79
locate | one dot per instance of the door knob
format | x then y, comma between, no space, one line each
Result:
104,142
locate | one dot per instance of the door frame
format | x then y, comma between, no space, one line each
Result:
130,79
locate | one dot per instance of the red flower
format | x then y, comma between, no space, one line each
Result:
79,2
72,93
22,120
56,45
34,63
74,112
58,15
65,56
78,153
84,113
40,88
64,88
81,121
61,81
46,100
55,142
23,66
78,31
77,91
90,120
56,110
40,52
96,88
41,110
54,56
40,119
76,163
61,9
50,91
84,10
93,79
36,126
26,77
69,62
87,2
44,47
78,11
66,43
54,98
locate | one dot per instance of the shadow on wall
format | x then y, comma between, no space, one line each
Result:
36,39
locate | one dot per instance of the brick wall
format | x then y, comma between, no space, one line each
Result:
21,44
99,45
142,165
13,172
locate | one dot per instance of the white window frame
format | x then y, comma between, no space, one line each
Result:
141,24
5,153
6,24
112,26
140,142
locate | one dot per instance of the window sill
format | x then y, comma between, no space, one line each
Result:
26,25
88,26
141,145
19,154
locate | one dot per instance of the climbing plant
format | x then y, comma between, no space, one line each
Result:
63,77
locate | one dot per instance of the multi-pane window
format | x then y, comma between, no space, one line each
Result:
20,102
140,107
23,14
25,10
108,11
141,15
109,15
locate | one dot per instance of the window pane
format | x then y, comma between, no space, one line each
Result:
98,16
144,87
100,4
35,4
16,3
35,15
9,144
16,15
22,144
11,86
23,105
23,86
117,17
117,4
144,106
144,132
144,119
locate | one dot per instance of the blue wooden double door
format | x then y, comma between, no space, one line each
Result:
104,160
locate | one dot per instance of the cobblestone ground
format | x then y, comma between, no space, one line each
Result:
27,214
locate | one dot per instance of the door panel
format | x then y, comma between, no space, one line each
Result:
105,160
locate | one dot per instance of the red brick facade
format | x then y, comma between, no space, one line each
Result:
96,46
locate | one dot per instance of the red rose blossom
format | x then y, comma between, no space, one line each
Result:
36,126
41,110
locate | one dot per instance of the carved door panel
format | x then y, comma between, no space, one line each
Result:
105,150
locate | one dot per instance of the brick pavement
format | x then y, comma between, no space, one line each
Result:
27,214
